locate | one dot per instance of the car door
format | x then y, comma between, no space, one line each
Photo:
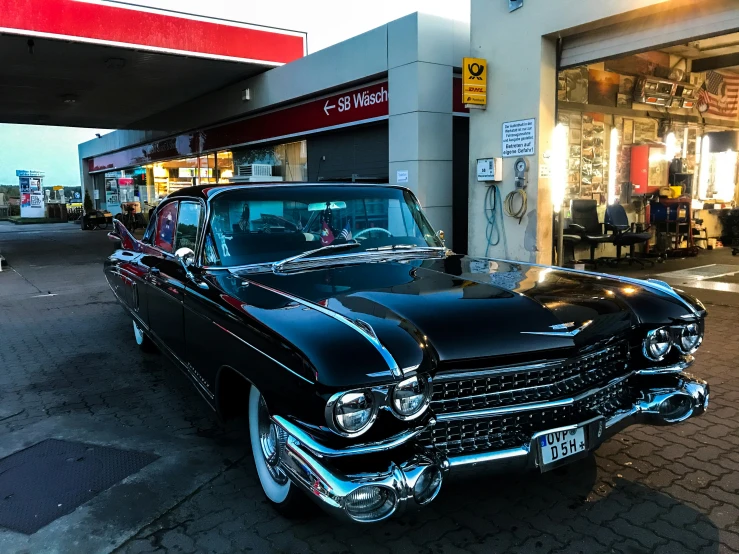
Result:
165,277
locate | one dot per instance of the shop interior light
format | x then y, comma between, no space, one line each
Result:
685,143
670,146
613,167
705,169
725,170
558,162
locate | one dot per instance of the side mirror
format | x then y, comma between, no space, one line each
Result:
186,256
440,235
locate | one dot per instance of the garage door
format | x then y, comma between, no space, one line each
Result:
657,30
361,151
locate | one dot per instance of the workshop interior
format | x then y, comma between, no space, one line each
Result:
643,164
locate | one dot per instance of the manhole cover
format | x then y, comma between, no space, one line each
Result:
52,478
703,272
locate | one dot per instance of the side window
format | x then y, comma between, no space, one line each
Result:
165,230
150,231
188,225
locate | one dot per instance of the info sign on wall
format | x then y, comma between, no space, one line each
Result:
519,138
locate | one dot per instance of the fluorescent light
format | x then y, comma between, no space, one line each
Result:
613,167
670,146
558,162
725,169
705,169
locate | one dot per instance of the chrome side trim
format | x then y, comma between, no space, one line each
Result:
487,412
674,368
237,337
392,364
485,457
321,450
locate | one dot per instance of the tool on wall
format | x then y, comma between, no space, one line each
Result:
515,205
516,202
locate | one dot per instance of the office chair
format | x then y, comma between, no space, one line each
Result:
585,224
618,222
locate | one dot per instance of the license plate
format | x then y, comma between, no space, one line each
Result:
558,445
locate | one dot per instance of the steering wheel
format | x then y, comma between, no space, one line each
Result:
363,231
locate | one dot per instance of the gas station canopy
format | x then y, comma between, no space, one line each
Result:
108,64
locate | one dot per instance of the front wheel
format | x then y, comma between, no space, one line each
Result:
265,439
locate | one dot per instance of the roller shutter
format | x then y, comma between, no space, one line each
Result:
360,151
661,29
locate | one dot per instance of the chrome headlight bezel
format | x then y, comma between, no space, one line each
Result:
338,400
679,332
648,341
424,384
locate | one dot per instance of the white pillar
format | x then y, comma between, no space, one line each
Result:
420,73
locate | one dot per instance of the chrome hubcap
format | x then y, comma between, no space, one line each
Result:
269,440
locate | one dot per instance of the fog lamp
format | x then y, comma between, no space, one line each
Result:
370,503
676,408
427,485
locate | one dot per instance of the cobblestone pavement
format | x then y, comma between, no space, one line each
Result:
649,489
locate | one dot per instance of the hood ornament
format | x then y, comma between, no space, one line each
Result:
561,329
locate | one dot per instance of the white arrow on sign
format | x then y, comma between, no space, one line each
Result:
326,108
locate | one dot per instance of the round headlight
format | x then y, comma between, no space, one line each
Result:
354,412
411,396
690,337
657,344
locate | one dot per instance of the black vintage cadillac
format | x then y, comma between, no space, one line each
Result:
372,362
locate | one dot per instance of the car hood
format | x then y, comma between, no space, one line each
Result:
463,308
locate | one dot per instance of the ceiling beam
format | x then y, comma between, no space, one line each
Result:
716,62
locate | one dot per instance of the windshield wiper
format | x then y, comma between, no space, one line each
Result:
278,265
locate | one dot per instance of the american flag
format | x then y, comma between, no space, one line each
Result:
346,232
719,94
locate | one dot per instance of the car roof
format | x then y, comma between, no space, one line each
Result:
206,191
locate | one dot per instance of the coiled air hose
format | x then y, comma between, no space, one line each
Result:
510,203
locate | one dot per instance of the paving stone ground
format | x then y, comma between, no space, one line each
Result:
648,490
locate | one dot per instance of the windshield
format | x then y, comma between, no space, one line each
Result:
267,224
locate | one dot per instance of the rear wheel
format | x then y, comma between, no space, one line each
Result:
265,439
142,339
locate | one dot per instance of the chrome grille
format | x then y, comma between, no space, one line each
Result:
533,383
515,429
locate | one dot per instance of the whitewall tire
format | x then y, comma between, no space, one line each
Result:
142,339
265,446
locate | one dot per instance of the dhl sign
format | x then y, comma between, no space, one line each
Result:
474,81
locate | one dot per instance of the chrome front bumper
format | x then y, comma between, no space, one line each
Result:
309,464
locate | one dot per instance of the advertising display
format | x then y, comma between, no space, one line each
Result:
32,197
112,200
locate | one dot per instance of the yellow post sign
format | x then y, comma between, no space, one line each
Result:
474,81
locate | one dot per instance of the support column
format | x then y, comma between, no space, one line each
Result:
420,61
519,87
